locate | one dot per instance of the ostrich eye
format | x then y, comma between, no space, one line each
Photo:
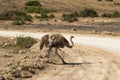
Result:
72,36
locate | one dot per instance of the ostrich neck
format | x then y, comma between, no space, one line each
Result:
72,44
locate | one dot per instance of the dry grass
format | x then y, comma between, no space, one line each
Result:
65,5
70,5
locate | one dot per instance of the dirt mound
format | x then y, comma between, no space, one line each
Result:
64,53
16,65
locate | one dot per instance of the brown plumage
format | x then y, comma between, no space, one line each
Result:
55,41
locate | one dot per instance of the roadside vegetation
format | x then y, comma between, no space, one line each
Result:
20,17
117,3
70,17
87,12
110,0
45,16
14,15
33,3
20,42
115,14
25,42
36,7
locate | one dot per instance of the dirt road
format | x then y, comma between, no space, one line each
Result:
106,43
97,60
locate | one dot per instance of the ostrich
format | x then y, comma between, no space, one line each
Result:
56,41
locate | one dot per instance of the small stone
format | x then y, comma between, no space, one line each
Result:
9,78
32,71
39,66
1,44
5,44
26,74
20,52
7,55
9,64
73,29
25,68
25,57
15,73
2,78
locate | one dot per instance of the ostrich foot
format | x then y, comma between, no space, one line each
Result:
47,55
64,62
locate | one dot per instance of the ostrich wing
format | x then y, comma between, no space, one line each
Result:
44,41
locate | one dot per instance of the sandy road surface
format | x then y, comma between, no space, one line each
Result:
100,60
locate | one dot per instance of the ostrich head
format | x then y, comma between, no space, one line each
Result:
71,40
67,43
72,37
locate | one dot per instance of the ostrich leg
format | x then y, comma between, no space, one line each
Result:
56,52
48,54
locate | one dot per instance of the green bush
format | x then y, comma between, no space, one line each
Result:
33,3
34,9
109,15
45,16
18,22
88,13
36,16
51,16
115,14
99,0
69,17
15,15
25,42
117,3
110,0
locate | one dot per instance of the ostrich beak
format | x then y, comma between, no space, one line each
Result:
72,37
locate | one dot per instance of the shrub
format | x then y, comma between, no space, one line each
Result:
45,16
25,42
88,13
109,15
15,15
75,14
18,22
51,16
33,3
99,0
69,17
34,9
115,14
110,0
36,16
116,3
